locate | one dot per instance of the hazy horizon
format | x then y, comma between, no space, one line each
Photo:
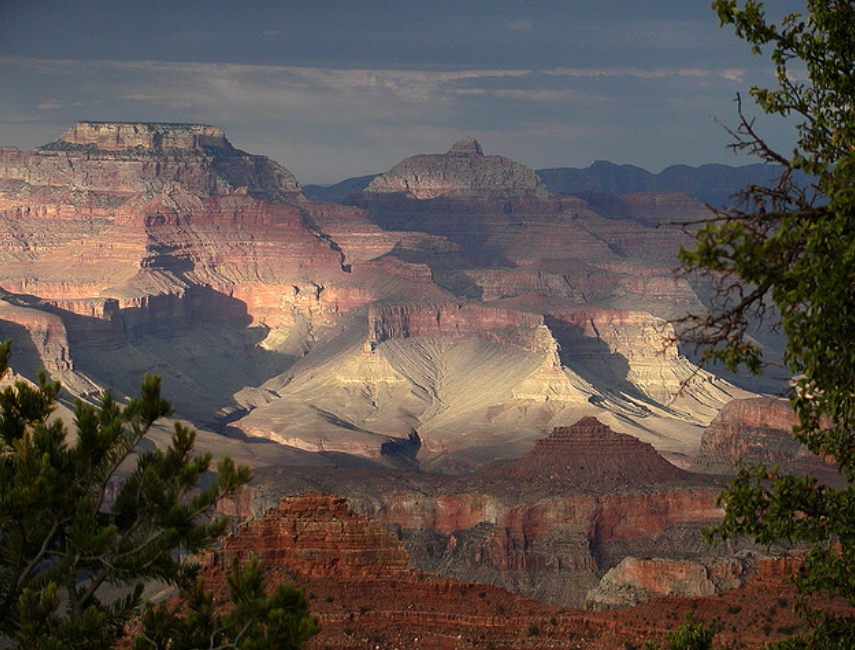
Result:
334,89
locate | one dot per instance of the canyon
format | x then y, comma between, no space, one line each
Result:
147,247
461,381
364,594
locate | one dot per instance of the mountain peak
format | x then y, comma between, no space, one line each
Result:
591,456
463,170
466,147
155,137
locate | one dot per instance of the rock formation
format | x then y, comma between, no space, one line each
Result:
546,526
463,171
464,302
590,457
759,430
316,536
382,604
635,580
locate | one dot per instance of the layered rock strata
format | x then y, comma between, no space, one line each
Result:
756,430
546,526
463,170
156,247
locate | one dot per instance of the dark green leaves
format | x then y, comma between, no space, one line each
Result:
79,513
256,621
787,254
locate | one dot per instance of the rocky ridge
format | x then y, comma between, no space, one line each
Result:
463,171
312,540
142,247
546,526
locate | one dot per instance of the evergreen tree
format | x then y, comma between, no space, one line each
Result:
256,620
86,520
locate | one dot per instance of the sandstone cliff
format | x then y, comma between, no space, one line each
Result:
464,302
355,576
546,526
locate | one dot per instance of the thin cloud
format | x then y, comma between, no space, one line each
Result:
521,25
732,74
327,123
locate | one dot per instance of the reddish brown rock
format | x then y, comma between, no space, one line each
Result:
383,605
451,320
316,536
635,580
546,526
590,457
757,430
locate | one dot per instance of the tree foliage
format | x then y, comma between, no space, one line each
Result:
691,635
87,519
788,253
257,621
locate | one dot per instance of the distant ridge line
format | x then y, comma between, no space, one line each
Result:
713,183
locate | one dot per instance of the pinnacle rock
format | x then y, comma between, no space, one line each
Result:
466,147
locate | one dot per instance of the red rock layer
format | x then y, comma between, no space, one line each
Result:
589,456
752,430
451,320
382,605
316,536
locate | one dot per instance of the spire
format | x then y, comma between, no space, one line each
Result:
466,147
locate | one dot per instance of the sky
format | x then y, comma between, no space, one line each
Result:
338,88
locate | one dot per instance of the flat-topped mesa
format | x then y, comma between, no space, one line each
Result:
462,171
117,159
156,137
590,456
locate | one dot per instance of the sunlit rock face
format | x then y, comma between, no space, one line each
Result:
636,580
456,297
760,430
150,137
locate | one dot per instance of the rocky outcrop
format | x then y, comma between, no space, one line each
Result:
463,171
759,429
387,606
316,536
148,136
546,526
636,581
45,332
356,579
394,321
590,457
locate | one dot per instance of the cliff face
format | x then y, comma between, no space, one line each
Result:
635,581
316,536
311,540
464,302
151,137
546,526
119,231
752,430
456,321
